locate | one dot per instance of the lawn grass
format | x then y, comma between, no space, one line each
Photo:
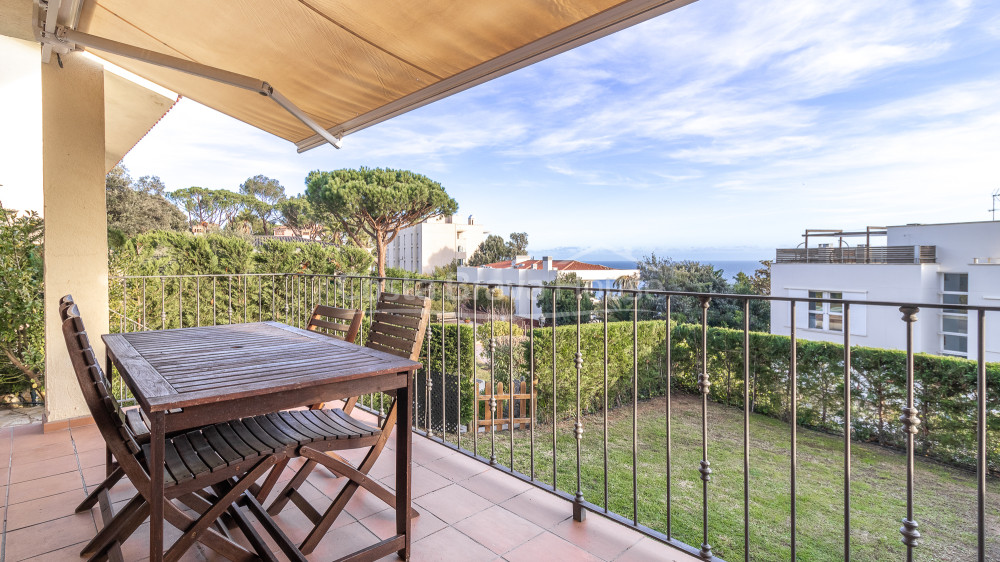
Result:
945,497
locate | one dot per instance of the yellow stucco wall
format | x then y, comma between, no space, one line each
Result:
75,218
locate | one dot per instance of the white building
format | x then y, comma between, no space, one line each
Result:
934,263
435,243
526,271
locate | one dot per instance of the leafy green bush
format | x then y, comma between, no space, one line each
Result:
22,333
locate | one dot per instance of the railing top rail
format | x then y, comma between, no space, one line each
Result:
653,292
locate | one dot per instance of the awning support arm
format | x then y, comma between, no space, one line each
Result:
66,35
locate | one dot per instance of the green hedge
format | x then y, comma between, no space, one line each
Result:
944,387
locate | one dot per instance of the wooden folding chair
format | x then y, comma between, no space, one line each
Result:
341,323
398,327
213,457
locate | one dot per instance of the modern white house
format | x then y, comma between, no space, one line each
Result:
435,243
525,271
957,263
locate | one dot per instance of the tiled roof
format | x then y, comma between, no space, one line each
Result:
558,265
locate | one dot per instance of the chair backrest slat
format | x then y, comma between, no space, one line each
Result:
94,384
399,324
340,323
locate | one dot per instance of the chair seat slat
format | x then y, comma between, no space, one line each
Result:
209,455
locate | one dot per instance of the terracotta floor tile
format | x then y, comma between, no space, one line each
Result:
33,512
498,529
457,467
495,485
423,482
71,552
383,524
25,471
452,503
540,507
41,453
597,535
343,541
425,450
28,429
48,486
93,457
448,545
648,549
46,537
547,546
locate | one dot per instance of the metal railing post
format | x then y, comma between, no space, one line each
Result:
579,512
911,423
704,386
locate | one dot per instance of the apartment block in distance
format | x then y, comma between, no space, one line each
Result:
957,263
435,243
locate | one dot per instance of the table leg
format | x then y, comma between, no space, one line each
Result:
156,467
404,436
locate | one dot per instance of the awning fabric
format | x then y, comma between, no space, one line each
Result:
350,64
130,111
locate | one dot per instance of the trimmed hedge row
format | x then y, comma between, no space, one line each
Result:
945,387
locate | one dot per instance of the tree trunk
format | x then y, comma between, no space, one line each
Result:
380,258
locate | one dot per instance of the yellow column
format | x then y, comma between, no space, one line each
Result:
76,224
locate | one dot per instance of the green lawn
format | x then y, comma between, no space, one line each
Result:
945,497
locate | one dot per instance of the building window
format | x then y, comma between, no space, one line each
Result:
955,321
826,315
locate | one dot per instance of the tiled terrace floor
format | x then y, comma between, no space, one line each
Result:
469,511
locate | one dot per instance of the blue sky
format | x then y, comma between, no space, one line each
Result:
718,131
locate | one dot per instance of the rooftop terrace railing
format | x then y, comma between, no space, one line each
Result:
605,362
860,254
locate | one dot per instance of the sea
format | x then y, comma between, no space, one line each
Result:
729,267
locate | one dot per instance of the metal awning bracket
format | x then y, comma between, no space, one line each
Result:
63,39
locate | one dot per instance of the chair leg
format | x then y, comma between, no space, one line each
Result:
360,479
286,493
120,528
94,496
271,481
203,523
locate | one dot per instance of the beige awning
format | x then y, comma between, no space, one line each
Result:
349,64
130,111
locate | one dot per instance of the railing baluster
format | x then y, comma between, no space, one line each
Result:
197,289
847,431
579,512
635,409
911,425
493,384
554,438
444,370
704,385
180,302
605,406
531,383
163,304
124,322
746,429
981,467
510,372
428,381
668,343
215,310
475,381
794,415
458,364
144,324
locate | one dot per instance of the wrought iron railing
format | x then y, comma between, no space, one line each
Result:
541,456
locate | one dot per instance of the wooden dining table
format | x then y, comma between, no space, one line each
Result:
190,377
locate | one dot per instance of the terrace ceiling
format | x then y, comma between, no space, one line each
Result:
348,64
